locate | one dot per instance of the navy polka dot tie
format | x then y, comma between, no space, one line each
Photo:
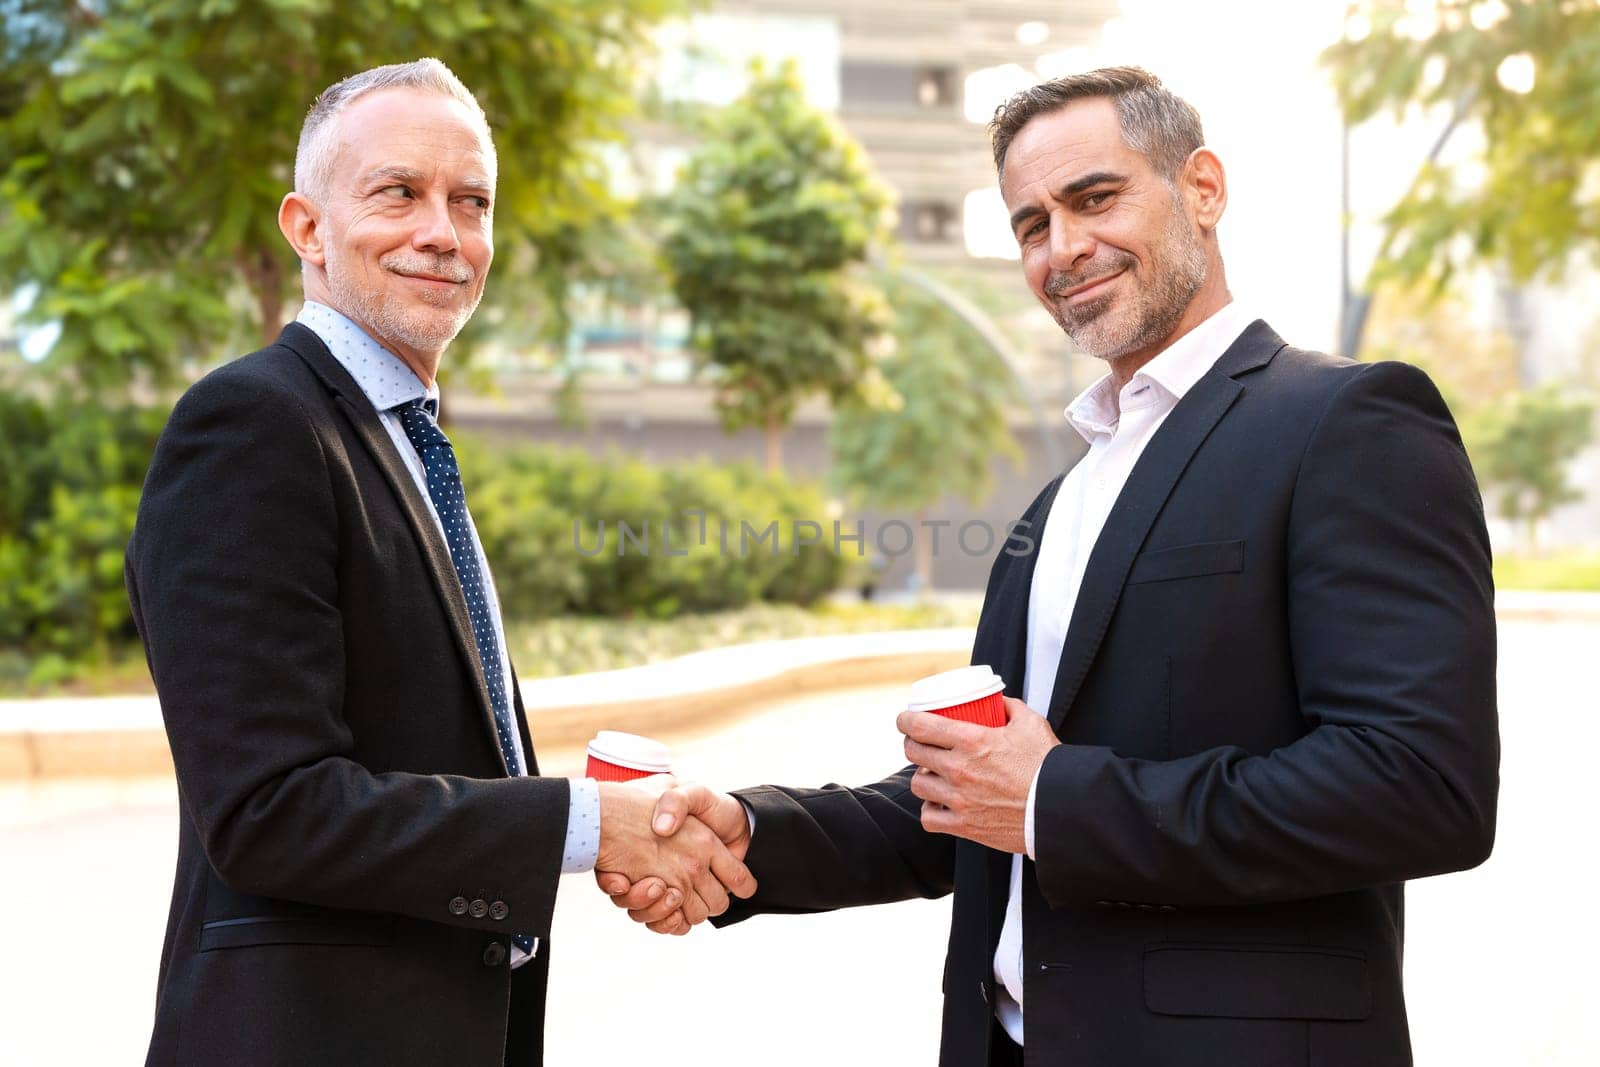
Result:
450,501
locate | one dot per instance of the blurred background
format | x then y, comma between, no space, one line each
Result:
752,269
752,262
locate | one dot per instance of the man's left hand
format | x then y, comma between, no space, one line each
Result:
974,780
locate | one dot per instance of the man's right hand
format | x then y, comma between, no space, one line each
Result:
679,808
646,845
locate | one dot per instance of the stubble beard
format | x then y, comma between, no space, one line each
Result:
1178,269
399,321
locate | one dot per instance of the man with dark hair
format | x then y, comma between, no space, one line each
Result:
1250,667
367,853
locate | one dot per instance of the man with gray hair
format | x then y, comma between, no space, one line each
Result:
1250,666
368,856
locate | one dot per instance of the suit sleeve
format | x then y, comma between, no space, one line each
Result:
1391,620
822,849
233,575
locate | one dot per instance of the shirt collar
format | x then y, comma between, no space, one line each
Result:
1097,410
382,375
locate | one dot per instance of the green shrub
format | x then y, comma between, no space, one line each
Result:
69,493
799,575
71,480
525,533
566,532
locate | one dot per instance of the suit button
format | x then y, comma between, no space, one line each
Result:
458,906
478,908
498,910
494,954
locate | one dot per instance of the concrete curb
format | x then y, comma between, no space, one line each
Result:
123,737
112,737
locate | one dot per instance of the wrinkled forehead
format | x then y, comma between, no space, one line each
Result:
1058,147
423,132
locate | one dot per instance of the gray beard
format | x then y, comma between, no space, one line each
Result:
411,328
1153,312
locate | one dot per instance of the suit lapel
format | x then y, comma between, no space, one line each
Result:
435,554
1001,642
1141,500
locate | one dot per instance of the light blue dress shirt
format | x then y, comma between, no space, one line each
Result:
388,383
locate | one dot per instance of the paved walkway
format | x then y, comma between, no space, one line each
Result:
1499,960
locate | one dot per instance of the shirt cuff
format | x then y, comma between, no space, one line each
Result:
583,827
1027,815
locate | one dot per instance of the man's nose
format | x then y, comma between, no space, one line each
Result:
436,231
1070,245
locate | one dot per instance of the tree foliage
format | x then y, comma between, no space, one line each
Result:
1538,198
945,423
1475,367
145,145
940,429
1522,447
764,237
1521,442
69,488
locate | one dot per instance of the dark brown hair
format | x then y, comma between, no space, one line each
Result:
1155,122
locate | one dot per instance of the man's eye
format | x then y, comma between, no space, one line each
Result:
1096,199
1035,229
478,203
400,191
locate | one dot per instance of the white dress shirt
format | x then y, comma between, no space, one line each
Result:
388,383
1118,425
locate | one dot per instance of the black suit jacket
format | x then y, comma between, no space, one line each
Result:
1277,703
343,801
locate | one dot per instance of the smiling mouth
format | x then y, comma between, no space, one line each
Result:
433,280
1088,289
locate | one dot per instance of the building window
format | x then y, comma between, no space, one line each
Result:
936,87
927,222
896,87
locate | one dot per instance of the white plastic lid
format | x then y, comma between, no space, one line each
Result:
631,750
949,688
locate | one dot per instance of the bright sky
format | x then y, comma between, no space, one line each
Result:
1250,67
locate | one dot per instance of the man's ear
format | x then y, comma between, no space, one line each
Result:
1205,186
301,223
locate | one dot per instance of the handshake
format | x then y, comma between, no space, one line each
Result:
672,854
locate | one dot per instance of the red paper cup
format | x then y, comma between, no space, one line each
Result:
968,694
618,757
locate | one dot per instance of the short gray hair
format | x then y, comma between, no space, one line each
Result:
313,159
1155,122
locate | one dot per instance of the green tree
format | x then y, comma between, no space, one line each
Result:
1536,202
940,431
145,145
764,237
1521,449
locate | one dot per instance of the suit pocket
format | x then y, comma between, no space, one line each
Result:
296,930
1188,561
1257,981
